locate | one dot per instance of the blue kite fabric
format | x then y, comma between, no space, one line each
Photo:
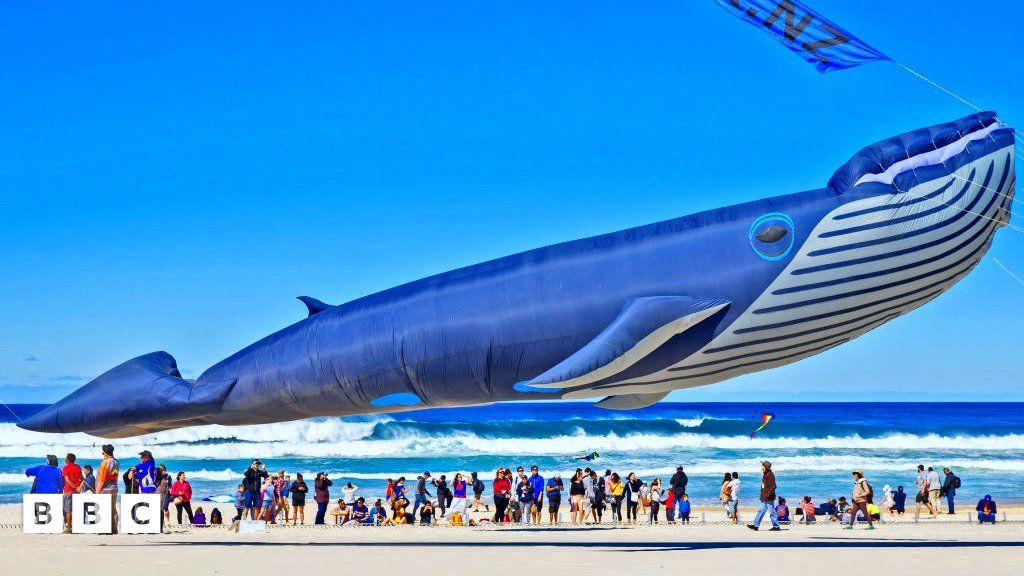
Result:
628,316
807,33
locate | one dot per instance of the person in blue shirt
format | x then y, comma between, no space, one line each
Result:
684,509
986,510
90,479
48,479
899,500
537,482
554,490
144,473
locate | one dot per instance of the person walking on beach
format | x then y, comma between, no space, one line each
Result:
322,495
478,491
677,484
106,481
732,507
298,490
922,492
934,489
862,495
767,499
502,489
949,485
181,491
422,494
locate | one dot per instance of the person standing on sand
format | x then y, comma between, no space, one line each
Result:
181,490
862,494
767,499
478,491
252,479
949,486
73,481
502,489
298,491
322,495
934,489
106,481
554,489
576,495
922,492
284,493
537,481
524,493
678,487
459,502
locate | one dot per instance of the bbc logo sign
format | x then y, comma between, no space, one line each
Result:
91,514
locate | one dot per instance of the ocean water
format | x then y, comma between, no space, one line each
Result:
814,446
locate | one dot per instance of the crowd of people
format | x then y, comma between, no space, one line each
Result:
518,497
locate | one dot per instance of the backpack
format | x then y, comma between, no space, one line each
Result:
478,486
956,482
871,492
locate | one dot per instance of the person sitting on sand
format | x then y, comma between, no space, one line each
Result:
379,514
360,512
808,510
782,511
986,510
899,500
400,516
342,513
427,514
199,517
216,518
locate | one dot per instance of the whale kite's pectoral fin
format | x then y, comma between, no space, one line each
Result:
140,395
631,401
643,325
315,306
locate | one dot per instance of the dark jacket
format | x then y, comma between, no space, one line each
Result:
768,486
321,488
252,480
678,482
948,487
421,486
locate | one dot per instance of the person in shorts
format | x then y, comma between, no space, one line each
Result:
73,482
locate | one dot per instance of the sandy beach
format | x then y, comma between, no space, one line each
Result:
949,543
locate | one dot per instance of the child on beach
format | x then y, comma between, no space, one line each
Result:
427,514
782,511
239,502
684,509
90,480
199,517
807,507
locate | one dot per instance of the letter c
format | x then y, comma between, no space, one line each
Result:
135,517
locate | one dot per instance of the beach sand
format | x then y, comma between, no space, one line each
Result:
950,544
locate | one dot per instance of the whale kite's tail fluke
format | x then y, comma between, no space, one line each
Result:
142,395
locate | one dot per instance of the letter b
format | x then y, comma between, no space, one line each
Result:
43,515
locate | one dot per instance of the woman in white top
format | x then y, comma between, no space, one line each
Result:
349,493
887,499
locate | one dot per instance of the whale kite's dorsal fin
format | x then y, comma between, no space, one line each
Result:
315,306
643,325
631,401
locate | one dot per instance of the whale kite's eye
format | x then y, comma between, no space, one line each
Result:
771,236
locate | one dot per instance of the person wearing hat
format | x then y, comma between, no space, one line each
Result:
144,473
862,496
422,494
554,490
252,481
767,499
677,485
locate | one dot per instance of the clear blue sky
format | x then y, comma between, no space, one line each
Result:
173,175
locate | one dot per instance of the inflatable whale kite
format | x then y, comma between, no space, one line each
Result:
628,316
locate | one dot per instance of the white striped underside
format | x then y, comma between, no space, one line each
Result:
853,274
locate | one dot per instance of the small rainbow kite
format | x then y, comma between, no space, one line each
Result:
589,457
766,417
